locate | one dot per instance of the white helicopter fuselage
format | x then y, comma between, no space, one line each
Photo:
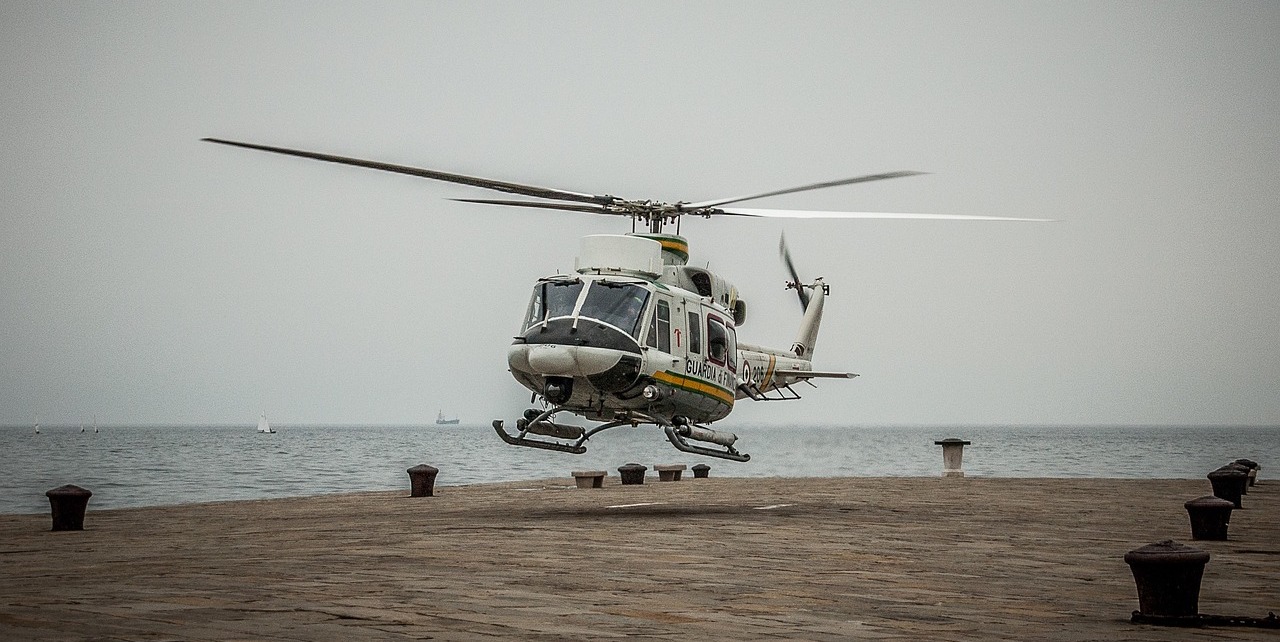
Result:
637,336
624,337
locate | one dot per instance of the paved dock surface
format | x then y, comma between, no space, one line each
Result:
708,559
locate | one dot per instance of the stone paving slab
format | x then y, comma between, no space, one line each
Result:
743,559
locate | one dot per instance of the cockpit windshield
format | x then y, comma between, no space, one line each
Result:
618,304
552,299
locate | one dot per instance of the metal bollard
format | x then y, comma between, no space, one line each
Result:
632,474
422,479
1168,577
952,454
68,503
1253,469
1235,465
700,471
1228,483
1209,517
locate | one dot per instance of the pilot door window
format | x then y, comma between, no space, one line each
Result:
660,329
717,340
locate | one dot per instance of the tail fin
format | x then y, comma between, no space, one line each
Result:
807,337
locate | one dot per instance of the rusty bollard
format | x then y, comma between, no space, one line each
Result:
952,454
67,504
1209,517
1228,483
1253,469
422,479
701,471
632,474
1168,577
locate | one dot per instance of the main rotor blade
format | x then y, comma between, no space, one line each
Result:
802,188
737,211
567,207
501,186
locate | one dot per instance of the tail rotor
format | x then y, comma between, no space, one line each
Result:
795,282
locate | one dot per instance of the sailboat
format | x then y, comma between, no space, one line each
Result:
95,423
263,426
442,421
37,424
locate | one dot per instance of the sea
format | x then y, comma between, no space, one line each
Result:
135,466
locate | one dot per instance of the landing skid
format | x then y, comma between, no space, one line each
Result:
539,424
521,440
575,437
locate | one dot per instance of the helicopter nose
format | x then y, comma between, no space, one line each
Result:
552,360
563,361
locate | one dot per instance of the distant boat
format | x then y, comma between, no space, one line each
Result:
82,426
263,426
442,421
37,425
95,423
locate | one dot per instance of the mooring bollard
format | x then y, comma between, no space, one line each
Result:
588,478
952,454
67,503
1209,517
669,472
1253,469
1244,485
1168,577
632,474
700,471
1228,483
422,479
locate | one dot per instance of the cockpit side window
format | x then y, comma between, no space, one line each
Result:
537,309
618,304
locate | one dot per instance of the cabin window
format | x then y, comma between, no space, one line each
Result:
717,340
618,304
695,332
552,299
660,328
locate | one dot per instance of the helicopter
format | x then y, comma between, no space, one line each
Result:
637,335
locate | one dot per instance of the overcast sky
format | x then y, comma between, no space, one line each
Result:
147,277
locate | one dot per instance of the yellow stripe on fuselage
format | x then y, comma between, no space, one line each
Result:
694,385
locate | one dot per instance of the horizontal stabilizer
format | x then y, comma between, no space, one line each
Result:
813,374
